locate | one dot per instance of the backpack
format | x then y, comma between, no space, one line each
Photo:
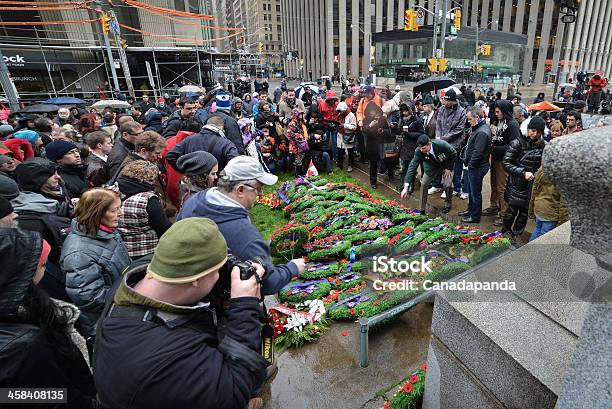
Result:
53,228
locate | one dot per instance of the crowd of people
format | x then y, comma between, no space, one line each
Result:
116,225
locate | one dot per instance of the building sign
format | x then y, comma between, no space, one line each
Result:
15,60
406,62
222,68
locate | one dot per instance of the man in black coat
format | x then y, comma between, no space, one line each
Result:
179,118
211,139
477,161
522,160
230,125
67,156
158,334
123,145
505,130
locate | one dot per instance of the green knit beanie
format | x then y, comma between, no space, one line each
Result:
189,250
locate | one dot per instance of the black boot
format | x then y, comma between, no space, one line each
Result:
448,202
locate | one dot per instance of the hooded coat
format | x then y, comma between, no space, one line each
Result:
523,155
243,239
508,129
153,121
209,139
376,135
451,125
231,130
28,358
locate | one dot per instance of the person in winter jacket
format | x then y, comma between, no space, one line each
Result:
70,167
41,187
200,171
522,160
408,130
93,255
123,145
596,84
211,139
97,167
7,164
286,106
163,108
450,127
153,121
36,142
247,104
179,118
143,220
330,119
237,110
21,148
297,134
477,161
228,205
437,157
230,125
36,348
346,135
504,130
250,137
546,206
376,133
268,119
157,330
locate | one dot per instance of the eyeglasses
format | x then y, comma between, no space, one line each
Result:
256,189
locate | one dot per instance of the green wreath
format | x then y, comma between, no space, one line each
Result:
429,224
322,289
364,235
329,253
281,247
315,274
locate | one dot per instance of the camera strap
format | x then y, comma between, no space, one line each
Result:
267,336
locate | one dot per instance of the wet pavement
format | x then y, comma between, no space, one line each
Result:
326,374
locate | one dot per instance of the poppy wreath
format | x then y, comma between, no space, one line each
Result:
296,339
290,294
440,235
345,219
408,216
364,235
289,241
300,205
428,224
334,250
378,243
488,251
447,271
321,270
371,307
405,228
345,281
411,390
410,241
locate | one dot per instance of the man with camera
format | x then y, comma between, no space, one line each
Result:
228,205
158,344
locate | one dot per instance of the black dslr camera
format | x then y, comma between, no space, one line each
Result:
222,288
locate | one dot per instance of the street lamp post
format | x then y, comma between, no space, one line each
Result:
368,40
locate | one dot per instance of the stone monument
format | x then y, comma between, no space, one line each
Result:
549,343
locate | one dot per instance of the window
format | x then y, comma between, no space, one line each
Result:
278,8
278,18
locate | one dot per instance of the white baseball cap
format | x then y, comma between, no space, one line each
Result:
246,168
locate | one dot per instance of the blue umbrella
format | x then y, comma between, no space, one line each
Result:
65,101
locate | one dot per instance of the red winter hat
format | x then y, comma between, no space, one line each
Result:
331,94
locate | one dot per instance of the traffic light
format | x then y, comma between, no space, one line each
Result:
105,19
486,49
442,62
410,21
458,19
261,47
432,64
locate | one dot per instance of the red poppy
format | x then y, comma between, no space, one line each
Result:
407,230
414,379
377,302
303,295
352,311
424,366
344,333
407,388
387,405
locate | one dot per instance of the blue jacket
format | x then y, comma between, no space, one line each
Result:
243,238
92,265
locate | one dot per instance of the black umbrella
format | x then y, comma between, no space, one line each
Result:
38,109
432,84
